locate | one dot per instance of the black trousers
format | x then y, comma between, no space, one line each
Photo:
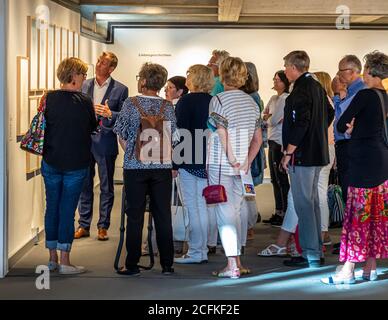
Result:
342,158
279,179
106,171
158,184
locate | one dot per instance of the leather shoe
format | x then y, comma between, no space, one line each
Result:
102,234
81,233
301,262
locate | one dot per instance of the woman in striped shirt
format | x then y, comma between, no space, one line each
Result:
234,143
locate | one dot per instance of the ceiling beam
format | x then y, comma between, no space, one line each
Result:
229,10
160,3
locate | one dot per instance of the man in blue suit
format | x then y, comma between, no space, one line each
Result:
108,96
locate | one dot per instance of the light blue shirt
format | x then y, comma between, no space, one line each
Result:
218,87
341,105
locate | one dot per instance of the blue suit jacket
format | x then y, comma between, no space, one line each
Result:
105,142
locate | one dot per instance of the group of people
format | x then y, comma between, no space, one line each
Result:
219,109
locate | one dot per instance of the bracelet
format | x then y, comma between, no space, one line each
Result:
288,154
233,162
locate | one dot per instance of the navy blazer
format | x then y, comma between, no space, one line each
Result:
105,142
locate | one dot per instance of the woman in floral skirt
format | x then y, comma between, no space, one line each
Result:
365,229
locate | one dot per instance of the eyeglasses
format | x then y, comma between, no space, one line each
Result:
343,70
137,77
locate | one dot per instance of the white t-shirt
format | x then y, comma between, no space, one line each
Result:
275,122
99,91
240,115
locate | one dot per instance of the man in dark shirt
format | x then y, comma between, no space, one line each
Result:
307,115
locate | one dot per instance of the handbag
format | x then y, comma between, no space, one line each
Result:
180,216
215,193
385,119
33,140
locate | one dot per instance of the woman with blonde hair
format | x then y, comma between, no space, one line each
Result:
192,112
323,182
70,121
234,143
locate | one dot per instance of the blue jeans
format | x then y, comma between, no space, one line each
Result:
63,189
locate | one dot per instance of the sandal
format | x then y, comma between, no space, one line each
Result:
232,274
279,251
368,276
338,278
244,271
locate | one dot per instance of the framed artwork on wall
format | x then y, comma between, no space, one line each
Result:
42,57
50,58
71,44
90,71
32,52
76,45
22,93
58,52
65,43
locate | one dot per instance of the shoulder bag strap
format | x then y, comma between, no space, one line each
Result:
136,103
227,136
384,110
163,106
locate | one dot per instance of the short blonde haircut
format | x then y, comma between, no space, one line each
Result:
220,55
70,67
201,78
233,72
113,58
325,81
154,74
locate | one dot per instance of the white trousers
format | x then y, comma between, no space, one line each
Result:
191,187
291,219
248,217
212,235
228,214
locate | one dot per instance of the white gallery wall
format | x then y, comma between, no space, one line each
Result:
26,198
180,48
177,49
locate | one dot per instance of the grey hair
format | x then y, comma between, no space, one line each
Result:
353,61
299,59
377,63
220,55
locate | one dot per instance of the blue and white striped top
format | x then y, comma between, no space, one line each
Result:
240,115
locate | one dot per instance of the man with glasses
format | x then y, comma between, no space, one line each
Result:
108,96
349,70
214,63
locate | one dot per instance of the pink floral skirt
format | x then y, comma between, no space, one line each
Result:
365,227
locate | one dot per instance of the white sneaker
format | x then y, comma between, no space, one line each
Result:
53,266
185,259
64,269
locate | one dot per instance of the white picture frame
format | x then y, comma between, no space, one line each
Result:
22,93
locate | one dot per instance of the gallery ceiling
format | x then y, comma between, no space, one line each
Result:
101,17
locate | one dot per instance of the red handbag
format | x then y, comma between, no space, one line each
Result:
215,193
